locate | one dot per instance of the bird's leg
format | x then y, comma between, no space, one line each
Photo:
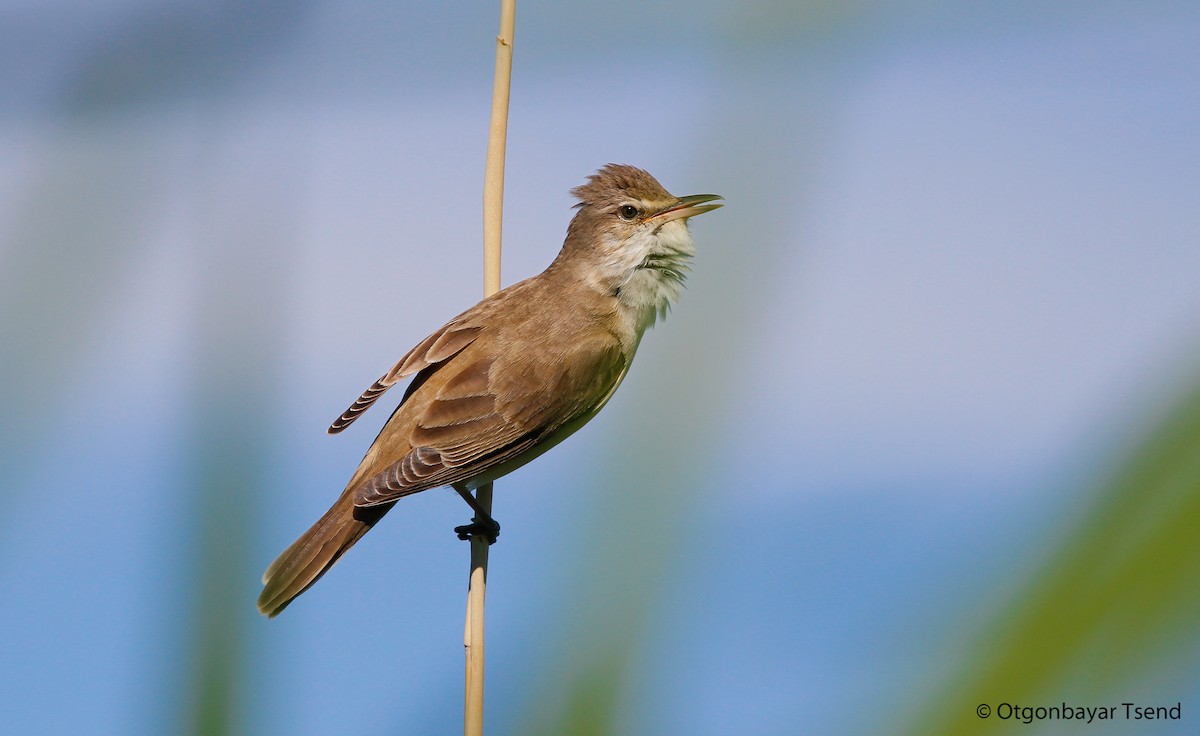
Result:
483,524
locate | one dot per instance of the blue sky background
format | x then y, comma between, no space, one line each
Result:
953,288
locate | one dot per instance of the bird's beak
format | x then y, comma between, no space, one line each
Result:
685,207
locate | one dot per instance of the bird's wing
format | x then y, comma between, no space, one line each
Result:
438,347
493,410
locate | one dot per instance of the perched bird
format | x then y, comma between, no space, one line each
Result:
515,374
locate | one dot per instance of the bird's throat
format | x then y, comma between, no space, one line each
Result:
653,287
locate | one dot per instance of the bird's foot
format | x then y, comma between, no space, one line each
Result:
485,527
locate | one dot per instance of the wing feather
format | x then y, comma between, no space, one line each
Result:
437,348
488,414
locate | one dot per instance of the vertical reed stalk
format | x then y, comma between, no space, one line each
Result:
493,206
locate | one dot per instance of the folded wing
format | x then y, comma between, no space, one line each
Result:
488,413
438,347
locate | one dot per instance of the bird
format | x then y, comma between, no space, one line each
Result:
514,375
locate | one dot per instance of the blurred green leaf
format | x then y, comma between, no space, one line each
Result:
1118,600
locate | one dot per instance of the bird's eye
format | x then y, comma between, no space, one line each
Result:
627,212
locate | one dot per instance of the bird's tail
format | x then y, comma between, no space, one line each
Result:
310,556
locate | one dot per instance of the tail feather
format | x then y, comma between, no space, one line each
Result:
311,556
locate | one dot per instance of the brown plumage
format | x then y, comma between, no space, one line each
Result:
512,376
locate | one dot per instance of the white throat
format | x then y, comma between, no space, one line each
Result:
653,265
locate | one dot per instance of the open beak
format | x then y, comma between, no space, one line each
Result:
685,207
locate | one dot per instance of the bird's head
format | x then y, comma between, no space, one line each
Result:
630,237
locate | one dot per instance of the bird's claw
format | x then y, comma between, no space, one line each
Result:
486,528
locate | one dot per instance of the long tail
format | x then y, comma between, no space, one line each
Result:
310,556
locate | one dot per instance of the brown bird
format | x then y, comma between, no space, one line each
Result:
515,374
